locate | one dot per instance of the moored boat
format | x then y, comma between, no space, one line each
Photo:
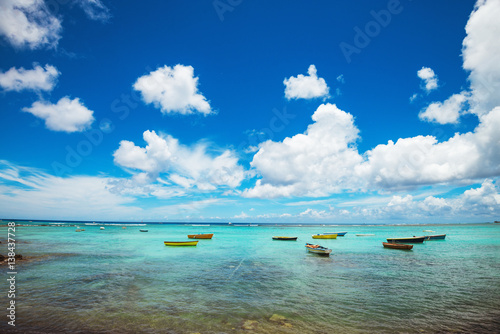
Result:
435,237
397,246
201,236
339,234
410,240
324,236
142,230
317,249
285,238
180,243
102,228
364,235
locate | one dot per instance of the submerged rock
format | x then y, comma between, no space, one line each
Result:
277,318
280,320
249,324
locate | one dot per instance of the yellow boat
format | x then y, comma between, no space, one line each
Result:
180,243
201,236
324,236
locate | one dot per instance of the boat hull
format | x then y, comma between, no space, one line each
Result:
317,249
285,238
201,236
324,236
411,240
435,237
180,243
364,235
143,230
339,234
397,246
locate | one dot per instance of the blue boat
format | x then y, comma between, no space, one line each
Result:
339,234
435,237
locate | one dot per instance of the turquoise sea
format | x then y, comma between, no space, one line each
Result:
123,281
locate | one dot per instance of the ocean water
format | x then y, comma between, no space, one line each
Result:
124,281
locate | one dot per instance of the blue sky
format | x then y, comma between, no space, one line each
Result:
231,110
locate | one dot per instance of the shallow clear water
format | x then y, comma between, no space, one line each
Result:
122,280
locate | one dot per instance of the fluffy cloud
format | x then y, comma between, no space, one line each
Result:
445,112
306,87
187,167
429,78
481,57
67,115
423,160
173,90
324,160
481,54
28,23
315,163
36,79
482,201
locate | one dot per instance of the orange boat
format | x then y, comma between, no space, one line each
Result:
201,236
397,246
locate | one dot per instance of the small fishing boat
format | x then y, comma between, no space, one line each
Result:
324,236
317,249
201,236
364,235
102,228
397,246
78,230
142,230
285,238
124,227
435,237
410,240
339,234
180,243
429,231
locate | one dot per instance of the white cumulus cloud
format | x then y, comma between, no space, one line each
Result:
28,23
306,86
315,163
481,58
37,79
66,115
424,160
429,78
173,90
481,54
325,160
187,167
447,112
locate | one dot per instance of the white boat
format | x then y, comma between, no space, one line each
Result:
429,231
364,235
317,249
102,228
